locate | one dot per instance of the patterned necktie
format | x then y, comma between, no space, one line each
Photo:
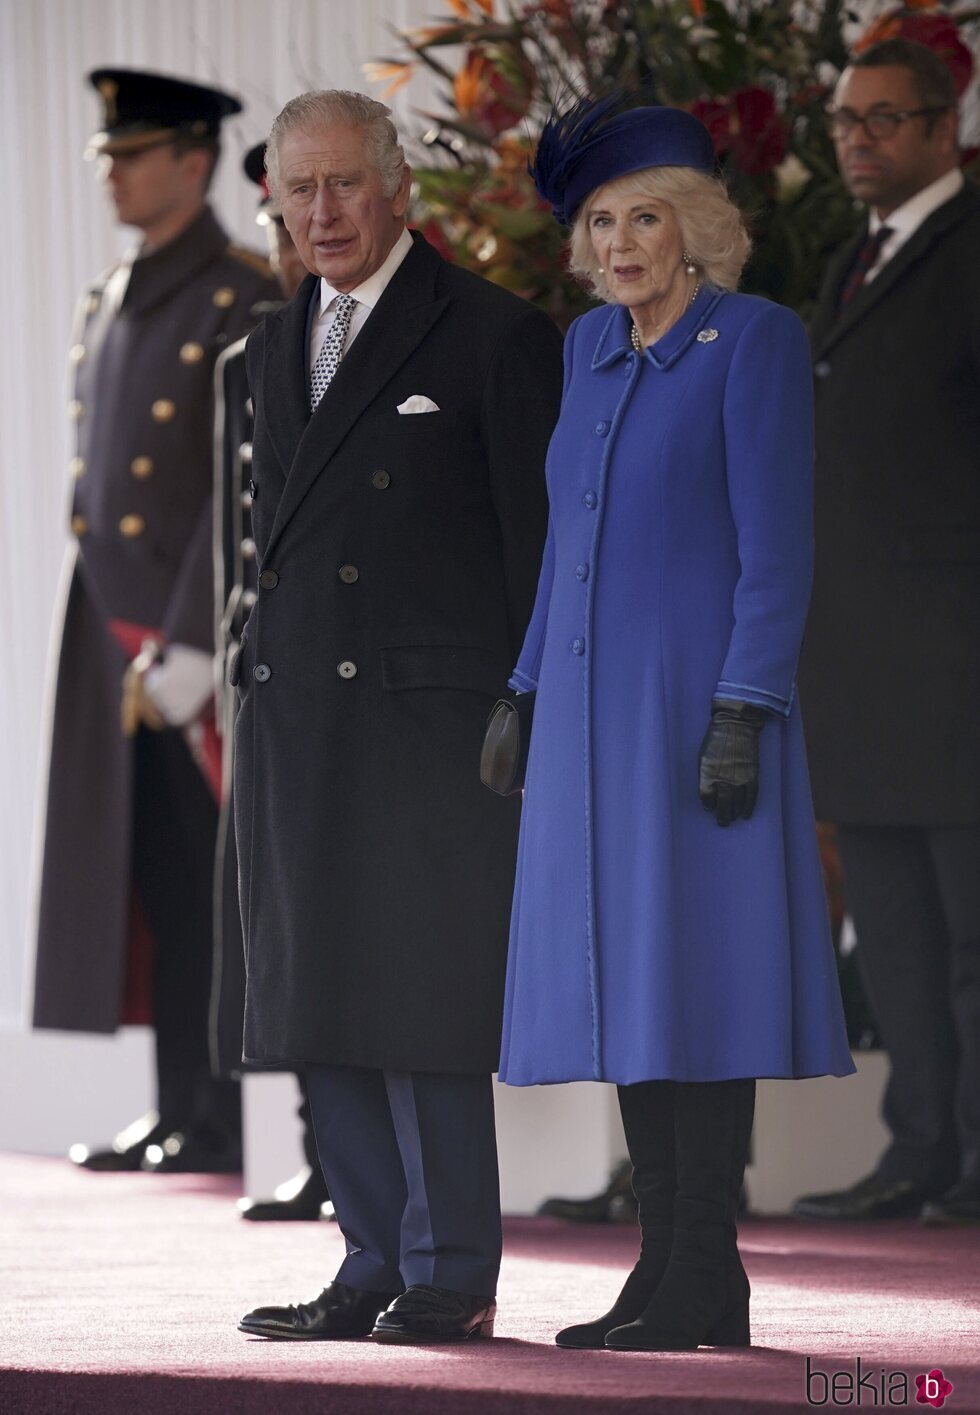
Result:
863,262
332,349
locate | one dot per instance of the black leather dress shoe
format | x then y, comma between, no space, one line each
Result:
128,1147
959,1205
299,1198
616,1203
193,1152
340,1313
873,1197
423,1315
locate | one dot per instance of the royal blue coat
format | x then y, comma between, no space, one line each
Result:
647,942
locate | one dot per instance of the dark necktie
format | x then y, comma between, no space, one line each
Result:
863,262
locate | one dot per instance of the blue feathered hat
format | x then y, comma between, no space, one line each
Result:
594,141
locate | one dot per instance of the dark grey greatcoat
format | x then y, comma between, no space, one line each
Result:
142,506
398,557
890,672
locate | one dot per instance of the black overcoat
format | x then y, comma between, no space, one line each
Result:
398,556
142,474
890,672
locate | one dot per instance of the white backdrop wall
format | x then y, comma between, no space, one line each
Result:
58,234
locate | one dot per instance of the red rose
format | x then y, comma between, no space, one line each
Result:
716,118
758,132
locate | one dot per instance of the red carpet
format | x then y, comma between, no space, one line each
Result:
122,1293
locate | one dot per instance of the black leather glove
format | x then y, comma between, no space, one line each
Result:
728,780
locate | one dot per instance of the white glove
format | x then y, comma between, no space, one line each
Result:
181,684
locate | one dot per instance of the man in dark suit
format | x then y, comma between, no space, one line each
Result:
402,413
125,919
890,675
304,1196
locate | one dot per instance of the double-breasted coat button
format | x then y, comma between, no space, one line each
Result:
79,525
191,353
268,579
581,572
348,573
602,428
163,410
224,298
261,673
347,669
132,526
75,409
245,452
76,353
76,467
381,480
248,548
822,368
141,468
578,646
590,500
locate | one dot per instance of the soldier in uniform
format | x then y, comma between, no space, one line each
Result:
125,910
302,1196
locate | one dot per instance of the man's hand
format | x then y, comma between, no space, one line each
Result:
729,763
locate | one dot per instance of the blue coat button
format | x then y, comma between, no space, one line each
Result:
578,646
581,572
821,369
590,499
261,673
602,428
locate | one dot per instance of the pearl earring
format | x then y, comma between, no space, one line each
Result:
689,265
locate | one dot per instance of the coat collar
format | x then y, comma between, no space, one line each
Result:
827,331
614,338
156,276
400,321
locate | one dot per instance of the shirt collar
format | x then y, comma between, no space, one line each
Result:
369,292
907,218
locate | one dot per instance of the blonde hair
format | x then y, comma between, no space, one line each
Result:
712,227
322,107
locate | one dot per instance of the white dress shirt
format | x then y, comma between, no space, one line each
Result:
906,219
367,296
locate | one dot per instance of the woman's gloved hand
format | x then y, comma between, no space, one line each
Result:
729,763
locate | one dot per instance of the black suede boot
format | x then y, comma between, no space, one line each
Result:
648,1120
703,1298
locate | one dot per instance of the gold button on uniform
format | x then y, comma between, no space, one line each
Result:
132,526
163,410
77,467
141,467
224,297
76,353
75,409
79,525
191,353
92,304
248,548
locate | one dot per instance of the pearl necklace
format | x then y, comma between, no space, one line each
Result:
635,339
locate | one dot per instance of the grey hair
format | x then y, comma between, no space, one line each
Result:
322,107
712,227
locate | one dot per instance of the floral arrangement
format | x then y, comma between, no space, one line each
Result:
758,75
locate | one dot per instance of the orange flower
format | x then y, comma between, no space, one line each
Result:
697,9
462,9
394,72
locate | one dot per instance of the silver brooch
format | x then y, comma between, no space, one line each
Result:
707,336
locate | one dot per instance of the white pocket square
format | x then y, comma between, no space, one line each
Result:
418,403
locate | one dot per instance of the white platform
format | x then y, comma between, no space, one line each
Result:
810,1135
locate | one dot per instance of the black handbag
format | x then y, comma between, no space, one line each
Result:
503,760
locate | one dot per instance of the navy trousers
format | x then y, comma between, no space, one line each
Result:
410,1160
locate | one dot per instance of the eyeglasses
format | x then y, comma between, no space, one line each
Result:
878,124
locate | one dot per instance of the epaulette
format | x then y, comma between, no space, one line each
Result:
252,259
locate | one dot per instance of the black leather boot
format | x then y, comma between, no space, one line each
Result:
648,1120
703,1298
